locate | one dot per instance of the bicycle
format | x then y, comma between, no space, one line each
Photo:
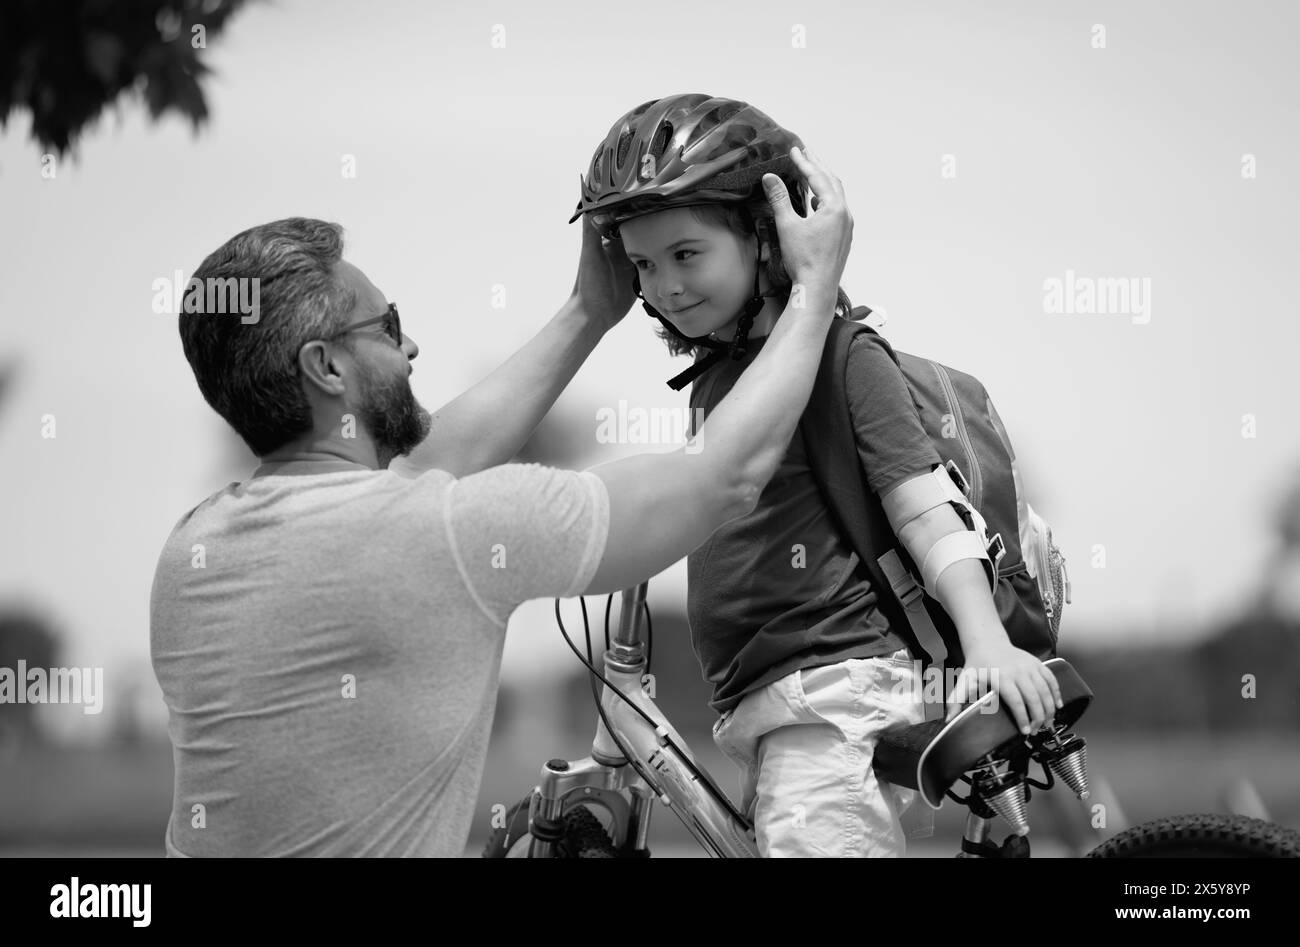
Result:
600,806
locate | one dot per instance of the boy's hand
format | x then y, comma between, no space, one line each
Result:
1025,685
815,247
603,289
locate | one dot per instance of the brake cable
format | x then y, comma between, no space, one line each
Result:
596,675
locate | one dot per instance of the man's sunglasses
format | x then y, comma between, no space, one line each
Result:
392,326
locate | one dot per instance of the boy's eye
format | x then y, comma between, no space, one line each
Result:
639,263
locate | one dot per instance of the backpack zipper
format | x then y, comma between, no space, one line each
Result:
950,394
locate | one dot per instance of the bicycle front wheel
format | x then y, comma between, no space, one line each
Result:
1202,836
584,836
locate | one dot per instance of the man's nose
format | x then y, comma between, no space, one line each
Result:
409,347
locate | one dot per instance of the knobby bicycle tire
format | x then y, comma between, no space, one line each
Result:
584,836
1202,836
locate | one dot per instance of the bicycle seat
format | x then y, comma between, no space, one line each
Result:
931,756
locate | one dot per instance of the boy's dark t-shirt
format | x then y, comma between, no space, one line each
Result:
780,589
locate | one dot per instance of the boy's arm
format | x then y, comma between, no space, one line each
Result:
890,437
1030,690
490,423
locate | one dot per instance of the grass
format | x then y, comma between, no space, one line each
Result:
116,799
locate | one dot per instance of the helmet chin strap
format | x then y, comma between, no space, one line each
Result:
736,348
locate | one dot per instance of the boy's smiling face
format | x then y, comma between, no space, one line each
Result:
698,275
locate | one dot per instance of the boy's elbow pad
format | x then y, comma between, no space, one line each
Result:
963,544
920,495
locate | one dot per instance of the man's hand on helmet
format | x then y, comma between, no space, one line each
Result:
815,247
603,289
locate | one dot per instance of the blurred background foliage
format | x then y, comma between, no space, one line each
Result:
66,61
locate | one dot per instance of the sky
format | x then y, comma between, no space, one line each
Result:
986,150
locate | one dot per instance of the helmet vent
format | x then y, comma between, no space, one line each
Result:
706,125
660,141
624,143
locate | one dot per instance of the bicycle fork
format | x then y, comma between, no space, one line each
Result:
608,779
600,782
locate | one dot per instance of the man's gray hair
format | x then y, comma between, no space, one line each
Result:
248,372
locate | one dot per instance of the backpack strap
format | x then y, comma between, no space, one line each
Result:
927,636
826,426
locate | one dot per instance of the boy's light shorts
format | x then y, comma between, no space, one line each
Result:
804,745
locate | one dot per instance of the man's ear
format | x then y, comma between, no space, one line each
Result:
320,369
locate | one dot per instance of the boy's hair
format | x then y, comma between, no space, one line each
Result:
745,219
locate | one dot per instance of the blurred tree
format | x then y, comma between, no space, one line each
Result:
66,60
1281,581
27,637
1142,688
1250,673
8,371
1251,668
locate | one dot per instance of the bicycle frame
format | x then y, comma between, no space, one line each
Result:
635,761
618,759
612,778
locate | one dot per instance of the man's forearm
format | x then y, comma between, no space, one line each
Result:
663,505
747,434
489,423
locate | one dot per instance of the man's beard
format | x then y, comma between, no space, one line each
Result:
395,420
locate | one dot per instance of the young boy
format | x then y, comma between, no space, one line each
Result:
806,671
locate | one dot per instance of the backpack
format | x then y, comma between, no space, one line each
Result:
1031,584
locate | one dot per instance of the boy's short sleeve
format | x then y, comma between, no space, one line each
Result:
892,444
523,531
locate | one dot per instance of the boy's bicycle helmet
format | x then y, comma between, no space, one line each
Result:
686,150
682,150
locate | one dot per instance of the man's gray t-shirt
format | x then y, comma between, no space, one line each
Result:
328,646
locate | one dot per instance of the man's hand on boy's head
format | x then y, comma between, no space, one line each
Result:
814,247
603,288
